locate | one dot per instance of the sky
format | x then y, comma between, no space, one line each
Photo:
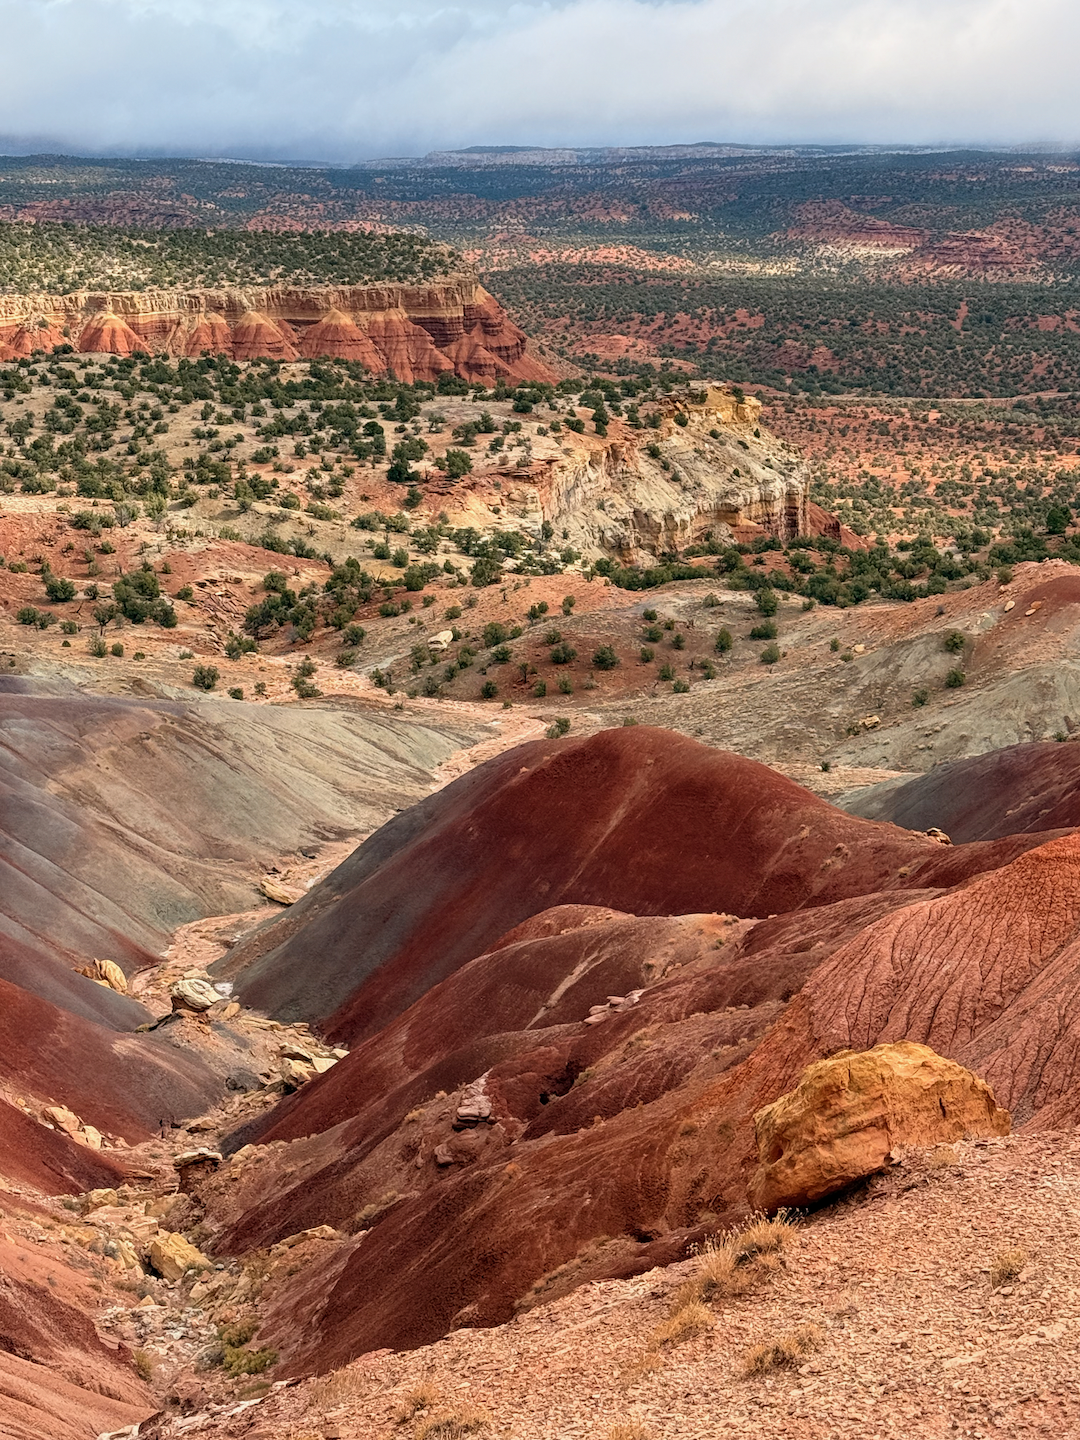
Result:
340,80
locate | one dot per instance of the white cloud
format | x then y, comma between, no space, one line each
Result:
339,79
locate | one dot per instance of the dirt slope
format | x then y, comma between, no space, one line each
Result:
1019,789
916,1339
123,819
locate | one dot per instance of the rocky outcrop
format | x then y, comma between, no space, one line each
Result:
417,332
642,494
849,1113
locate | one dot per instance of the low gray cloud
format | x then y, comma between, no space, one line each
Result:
345,79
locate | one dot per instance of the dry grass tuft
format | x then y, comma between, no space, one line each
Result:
1007,1266
455,1424
337,1388
735,1261
789,1350
629,1430
421,1397
763,1236
640,1369
144,1364
692,1318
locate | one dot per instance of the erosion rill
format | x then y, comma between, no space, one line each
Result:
414,331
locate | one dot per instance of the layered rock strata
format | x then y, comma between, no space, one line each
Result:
417,332
708,472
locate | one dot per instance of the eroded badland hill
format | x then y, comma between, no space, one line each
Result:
535,904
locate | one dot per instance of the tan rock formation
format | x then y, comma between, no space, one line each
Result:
416,331
849,1112
107,973
172,1256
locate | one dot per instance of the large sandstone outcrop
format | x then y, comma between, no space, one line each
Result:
712,475
415,331
849,1112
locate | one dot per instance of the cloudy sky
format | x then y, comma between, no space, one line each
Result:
342,79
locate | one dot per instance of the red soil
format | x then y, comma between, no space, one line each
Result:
47,1160
1018,790
60,1057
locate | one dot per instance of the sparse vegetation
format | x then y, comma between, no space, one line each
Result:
420,1398
1007,1265
786,1352
457,1424
205,677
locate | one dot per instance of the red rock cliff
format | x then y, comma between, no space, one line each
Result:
415,331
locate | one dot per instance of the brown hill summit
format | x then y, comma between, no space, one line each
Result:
416,331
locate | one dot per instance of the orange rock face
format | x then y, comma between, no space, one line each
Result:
108,334
416,333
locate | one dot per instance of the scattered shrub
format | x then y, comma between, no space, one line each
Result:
558,728
205,677
954,679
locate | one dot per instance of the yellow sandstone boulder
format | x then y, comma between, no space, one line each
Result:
172,1256
849,1112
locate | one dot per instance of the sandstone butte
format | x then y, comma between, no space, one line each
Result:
417,332
848,1114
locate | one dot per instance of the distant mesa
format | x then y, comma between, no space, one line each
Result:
417,332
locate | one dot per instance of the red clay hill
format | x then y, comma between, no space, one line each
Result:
417,332
637,819
1005,792
565,1014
